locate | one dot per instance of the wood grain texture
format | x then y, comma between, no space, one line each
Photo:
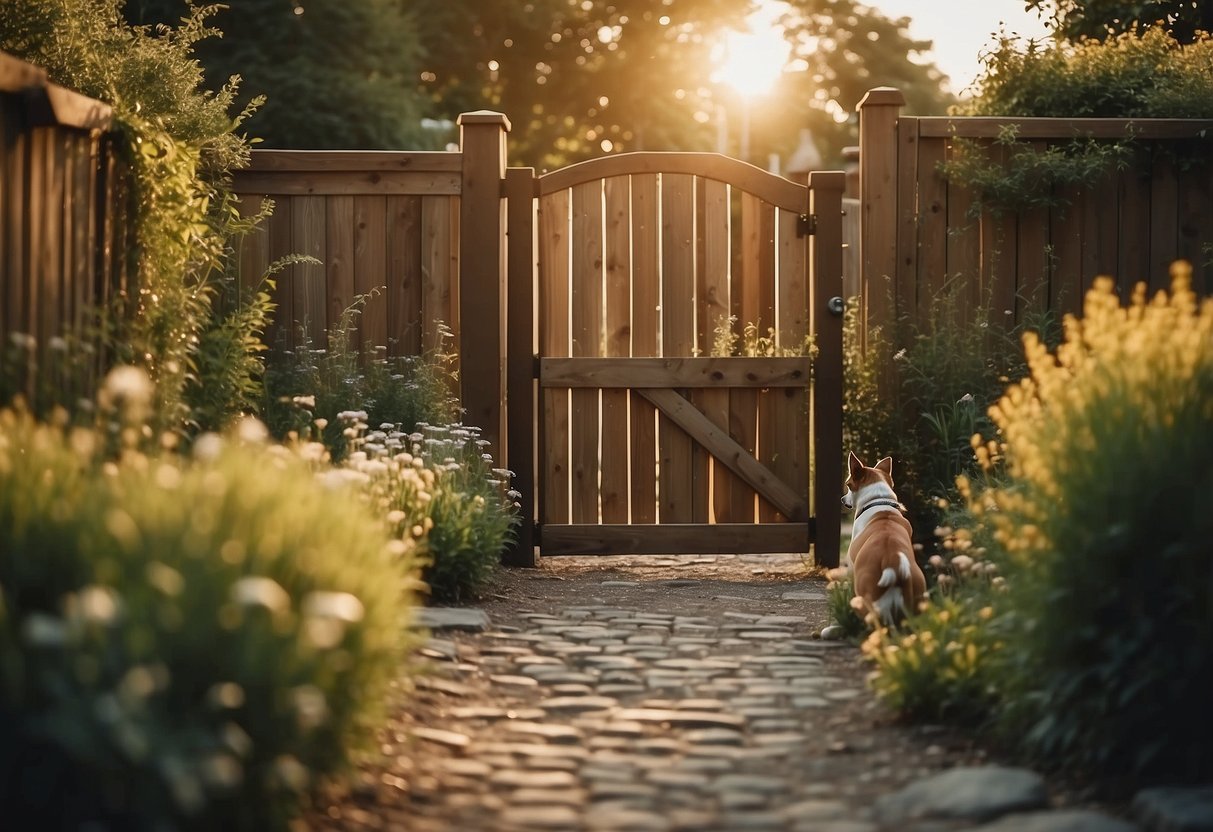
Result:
674,539
586,293
554,341
617,341
677,336
646,300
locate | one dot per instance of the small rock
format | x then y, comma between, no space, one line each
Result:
833,632
1066,820
452,739
803,595
453,618
979,793
1175,809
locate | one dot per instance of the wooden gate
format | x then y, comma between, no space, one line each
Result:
653,434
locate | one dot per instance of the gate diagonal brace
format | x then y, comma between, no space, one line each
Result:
725,448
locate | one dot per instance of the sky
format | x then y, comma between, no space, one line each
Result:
961,29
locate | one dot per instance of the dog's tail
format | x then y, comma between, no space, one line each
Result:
897,573
894,580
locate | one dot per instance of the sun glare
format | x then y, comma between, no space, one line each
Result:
752,60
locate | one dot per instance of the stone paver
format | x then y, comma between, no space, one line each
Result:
726,715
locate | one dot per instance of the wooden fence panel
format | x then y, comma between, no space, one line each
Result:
712,479
1130,224
370,269
404,314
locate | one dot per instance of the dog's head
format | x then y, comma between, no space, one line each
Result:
861,475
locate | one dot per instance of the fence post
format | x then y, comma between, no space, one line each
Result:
825,204
482,273
520,356
878,113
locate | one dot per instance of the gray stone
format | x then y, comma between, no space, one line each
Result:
562,734
541,817
1175,808
803,595
781,620
516,779
578,703
750,783
451,739
816,810
980,793
622,818
453,618
686,719
833,632
1066,820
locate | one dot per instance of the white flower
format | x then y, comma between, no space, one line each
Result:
125,382
967,398
252,431
259,591
339,605
207,447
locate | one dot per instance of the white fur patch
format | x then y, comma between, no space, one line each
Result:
890,606
887,578
903,566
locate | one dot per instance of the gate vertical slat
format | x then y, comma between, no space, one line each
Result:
586,331
618,342
713,294
678,335
437,245
765,274
554,341
1164,220
789,406
743,403
646,298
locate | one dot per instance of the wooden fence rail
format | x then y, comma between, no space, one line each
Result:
66,240
920,233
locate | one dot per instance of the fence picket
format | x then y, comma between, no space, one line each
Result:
617,342
646,301
586,331
554,340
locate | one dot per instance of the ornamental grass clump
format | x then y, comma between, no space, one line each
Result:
185,643
1102,520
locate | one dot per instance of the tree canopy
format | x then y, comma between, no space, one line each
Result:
1100,19
576,79
335,74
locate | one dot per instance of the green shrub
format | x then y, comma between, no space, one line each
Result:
305,384
185,644
937,389
1103,526
1141,74
441,493
840,592
180,144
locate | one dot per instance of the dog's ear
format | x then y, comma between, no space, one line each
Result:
855,463
885,465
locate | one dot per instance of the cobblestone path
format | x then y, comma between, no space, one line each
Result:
654,704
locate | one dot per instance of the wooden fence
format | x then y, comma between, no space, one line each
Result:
919,234
65,236
421,233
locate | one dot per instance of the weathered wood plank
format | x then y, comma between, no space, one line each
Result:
695,372
1164,221
646,300
787,453
699,428
617,342
970,250
908,173
355,161
675,539
1065,222
554,341
352,183
586,293
1032,257
709,478
677,336
404,322
934,212
437,268
370,269
745,177
1133,263
339,262
521,432
285,331
308,225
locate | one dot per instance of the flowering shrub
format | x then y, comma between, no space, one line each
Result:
1096,503
184,642
441,495
1103,524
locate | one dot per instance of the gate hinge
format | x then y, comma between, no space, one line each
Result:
806,225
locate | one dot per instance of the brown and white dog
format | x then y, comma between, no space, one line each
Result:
881,554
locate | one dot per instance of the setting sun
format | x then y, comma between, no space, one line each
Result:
751,61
